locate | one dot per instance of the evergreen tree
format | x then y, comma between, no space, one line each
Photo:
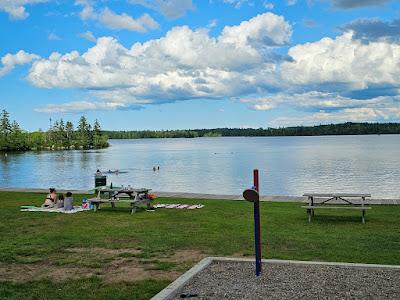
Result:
62,134
18,140
37,140
97,135
5,130
69,134
83,132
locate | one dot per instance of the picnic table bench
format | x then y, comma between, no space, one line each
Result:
348,199
135,197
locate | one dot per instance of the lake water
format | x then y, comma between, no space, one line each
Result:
288,165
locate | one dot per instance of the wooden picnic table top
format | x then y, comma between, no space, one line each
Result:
94,200
351,195
124,190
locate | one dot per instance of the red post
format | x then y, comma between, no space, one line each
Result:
257,233
255,176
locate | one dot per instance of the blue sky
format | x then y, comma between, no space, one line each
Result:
177,64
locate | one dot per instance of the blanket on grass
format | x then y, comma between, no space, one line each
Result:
178,206
57,210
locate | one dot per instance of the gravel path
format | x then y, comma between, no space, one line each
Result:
236,280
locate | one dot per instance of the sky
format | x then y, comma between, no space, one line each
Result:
185,64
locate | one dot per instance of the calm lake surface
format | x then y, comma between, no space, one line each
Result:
288,165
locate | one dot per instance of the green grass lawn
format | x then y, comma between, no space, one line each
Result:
60,242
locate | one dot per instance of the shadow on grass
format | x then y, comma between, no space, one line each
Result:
329,219
120,210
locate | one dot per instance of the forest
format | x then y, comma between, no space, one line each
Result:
348,128
65,136
60,136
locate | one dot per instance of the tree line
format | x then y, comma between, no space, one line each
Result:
60,135
348,128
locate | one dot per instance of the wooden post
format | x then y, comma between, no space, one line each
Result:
257,234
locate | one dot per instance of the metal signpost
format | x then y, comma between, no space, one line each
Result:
252,195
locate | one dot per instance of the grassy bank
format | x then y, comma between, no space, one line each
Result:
112,254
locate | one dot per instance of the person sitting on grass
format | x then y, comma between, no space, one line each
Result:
69,202
51,198
60,201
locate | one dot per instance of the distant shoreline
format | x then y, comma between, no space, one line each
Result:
238,136
318,130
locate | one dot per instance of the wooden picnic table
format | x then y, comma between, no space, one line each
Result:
135,197
347,198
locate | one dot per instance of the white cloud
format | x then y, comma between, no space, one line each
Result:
344,62
323,108
181,59
16,8
88,11
53,37
124,21
112,20
350,4
9,61
360,114
238,3
79,106
171,9
263,106
268,5
321,78
291,2
212,23
267,29
182,65
315,100
88,35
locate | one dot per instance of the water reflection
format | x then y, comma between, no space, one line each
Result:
288,165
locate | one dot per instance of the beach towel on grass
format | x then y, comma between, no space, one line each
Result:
179,206
57,210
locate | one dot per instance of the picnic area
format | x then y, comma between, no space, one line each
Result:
112,254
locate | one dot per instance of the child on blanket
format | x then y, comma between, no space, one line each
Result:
69,202
60,201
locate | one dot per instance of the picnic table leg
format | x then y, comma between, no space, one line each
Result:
312,204
96,206
309,215
112,204
133,209
149,204
363,211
